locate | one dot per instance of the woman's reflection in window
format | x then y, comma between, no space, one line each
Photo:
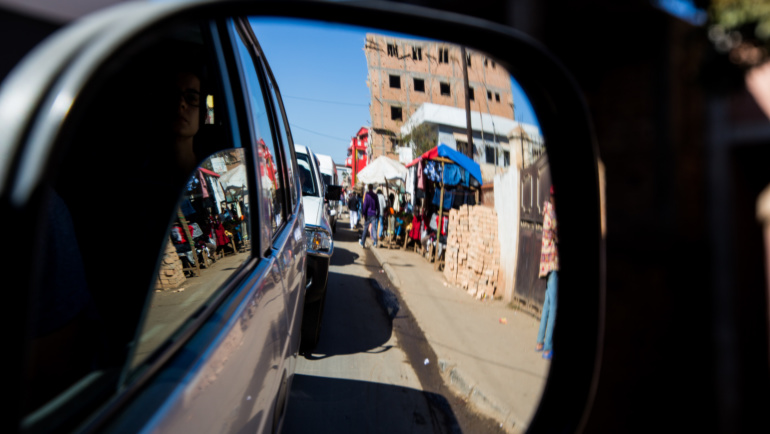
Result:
186,120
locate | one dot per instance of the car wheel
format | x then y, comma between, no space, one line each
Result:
311,325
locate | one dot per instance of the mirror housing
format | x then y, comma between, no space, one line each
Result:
562,112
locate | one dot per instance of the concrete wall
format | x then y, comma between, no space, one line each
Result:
507,198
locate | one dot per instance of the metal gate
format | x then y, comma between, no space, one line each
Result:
535,185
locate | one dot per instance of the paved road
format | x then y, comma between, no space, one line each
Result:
359,378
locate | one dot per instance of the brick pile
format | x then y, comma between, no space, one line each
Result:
472,259
171,274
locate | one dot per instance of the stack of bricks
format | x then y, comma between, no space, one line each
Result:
472,259
171,274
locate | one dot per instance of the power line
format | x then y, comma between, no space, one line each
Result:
326,101
320,134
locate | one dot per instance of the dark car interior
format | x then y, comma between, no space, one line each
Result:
117,147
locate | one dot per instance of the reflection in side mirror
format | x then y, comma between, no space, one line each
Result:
459,206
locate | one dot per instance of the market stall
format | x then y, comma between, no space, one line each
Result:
385,171
454,180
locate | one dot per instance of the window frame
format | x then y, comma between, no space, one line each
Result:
237,29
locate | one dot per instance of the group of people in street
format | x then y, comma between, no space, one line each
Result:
372,209
374,206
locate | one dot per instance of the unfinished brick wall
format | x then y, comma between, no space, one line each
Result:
170,275
472,259
387,55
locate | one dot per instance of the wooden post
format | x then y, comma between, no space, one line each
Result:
440,214
186,230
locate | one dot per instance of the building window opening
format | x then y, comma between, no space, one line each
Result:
419,85
490,154
395,81
506,158
462,147
489,95
392,50
497,97
468,59
471,94
395,113
416,53
443,55
445,89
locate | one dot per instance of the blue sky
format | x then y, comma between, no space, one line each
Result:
321,72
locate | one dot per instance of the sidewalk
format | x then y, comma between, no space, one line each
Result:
494,365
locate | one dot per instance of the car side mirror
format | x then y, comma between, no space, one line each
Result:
57,80
333,192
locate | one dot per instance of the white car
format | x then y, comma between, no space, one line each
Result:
320,244
329,174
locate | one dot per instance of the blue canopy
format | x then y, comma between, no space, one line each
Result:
466,163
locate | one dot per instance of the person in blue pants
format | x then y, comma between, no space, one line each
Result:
382,203
549,267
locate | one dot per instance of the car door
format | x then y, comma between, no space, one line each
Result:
289,244
154,302
277,177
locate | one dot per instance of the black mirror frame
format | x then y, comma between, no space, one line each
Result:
572,153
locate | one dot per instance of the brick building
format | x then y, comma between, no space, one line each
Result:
405,73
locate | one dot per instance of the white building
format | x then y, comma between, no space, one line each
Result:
493,136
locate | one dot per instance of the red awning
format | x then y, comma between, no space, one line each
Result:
433,153
208,172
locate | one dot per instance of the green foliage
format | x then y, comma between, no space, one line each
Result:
424,138
737,14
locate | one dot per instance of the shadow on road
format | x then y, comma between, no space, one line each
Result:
343,256
330,405
354,320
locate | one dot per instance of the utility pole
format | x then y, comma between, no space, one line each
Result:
469,148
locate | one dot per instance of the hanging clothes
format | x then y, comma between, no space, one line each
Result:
415,232
448,198
420,176
204,185
433,171
410,182
453,174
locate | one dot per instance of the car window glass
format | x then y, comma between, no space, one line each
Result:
145,145
306,175
272,197
286,144
209,238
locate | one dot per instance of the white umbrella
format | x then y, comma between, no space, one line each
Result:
381,170
235,177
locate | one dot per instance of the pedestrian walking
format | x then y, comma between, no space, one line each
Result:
370,212
382,203
353,209
549,267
